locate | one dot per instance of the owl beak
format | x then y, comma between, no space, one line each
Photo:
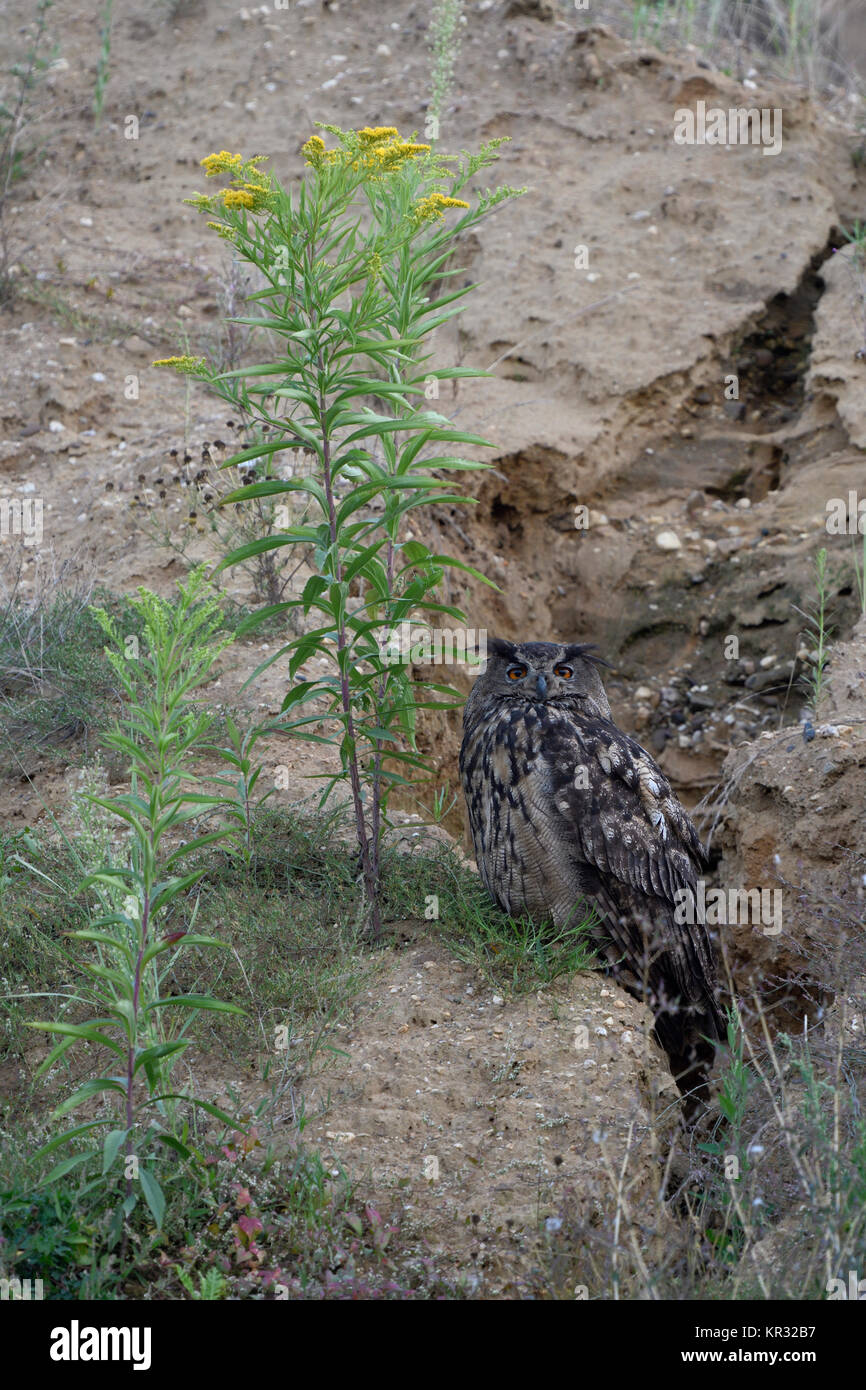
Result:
541,687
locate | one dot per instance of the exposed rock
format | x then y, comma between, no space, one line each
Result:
790,820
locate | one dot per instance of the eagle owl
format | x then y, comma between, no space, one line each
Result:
568,812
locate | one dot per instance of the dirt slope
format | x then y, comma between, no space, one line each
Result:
473,1119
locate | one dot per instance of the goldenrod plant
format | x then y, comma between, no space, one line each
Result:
818,632
348,263
143,915
18,120
103,66
858,560
446,21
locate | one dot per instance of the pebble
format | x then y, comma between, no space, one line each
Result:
668,540
699,699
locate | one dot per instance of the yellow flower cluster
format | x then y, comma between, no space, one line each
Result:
428,209
375,150
382,158
250,187
314,151
238,198
227,233
371,135
227,163
190,365
223,163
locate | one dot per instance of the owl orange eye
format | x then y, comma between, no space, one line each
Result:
516,673
566,672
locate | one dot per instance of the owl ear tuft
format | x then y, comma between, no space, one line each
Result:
503,649
585,651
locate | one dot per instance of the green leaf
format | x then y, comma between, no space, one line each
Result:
57,1052
415,553
153,1194
258,547
105,939
298,694
66,1165
193,845
153,1054
371,346
111,1147
87,1091
172,1142
122,982
315,585
274,487
66,1137
195,1001
362,558
467,569
186,939
262,450
205,1105
163,893
88,1031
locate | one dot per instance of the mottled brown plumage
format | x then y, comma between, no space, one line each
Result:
566,810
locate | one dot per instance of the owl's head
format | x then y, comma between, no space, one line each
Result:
544,672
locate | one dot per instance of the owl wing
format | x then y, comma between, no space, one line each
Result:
626,825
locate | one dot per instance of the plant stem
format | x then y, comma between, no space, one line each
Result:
369,862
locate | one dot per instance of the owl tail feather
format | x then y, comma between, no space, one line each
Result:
689,1040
